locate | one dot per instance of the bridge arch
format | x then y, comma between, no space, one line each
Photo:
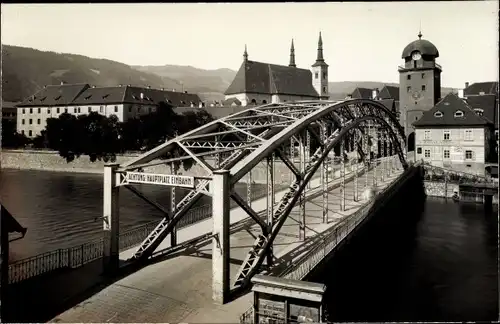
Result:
257,134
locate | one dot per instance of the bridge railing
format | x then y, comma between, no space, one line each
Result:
77,256
330,239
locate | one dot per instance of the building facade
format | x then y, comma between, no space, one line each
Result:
452,135
9,111
419,84
262,83
125,102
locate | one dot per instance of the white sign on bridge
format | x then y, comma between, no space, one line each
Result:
160,179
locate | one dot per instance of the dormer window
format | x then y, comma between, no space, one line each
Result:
57,98
183,102
438,114
105,96
134,96
459,114
481,93
88,97
42,100
479,111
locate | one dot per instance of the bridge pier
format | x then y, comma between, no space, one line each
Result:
220,241
111,219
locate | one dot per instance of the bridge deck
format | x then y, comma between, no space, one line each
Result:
179,289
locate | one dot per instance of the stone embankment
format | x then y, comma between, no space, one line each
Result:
51,161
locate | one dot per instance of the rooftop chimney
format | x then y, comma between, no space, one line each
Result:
185,92
200,105
466,84
162,89
120,85
62,82
461,93
142,95
173,90
93,86
375,94
149,87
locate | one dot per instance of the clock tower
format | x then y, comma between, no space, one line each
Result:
419,84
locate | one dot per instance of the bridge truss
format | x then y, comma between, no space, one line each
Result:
306,136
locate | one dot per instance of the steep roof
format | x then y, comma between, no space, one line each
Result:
450,104
135,95
54,95
389,104
258,77
489,105
481,88
362,93
230,101
389,92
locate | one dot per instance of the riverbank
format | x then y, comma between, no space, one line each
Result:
52,161
441,189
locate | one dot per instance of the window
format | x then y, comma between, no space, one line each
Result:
423,87
30,133
419,150
446,135
79,109
408,89
316,75
427,135
446,154
468,135
408,77
324,89
58,110
22,132
423,75
38,121
65,110
496,135
89,109
459,113
116,108
264,101
48,110
130,109
468,155
438,114
24,111
39,110
479,111
22,121
427,153
101,109
31,110
416,117
31,121
324,75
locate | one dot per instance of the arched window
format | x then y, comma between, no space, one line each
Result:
264,101
459,113
438,114
479,111
254,102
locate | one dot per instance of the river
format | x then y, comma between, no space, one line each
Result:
431,260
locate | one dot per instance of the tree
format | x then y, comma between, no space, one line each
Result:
10,137
64,134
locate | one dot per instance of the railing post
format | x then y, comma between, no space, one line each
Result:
173,203
81,252
111,220
220,241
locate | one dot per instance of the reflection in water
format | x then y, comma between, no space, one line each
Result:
59,209
431,261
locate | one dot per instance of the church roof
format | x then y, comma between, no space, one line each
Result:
264,78
448,106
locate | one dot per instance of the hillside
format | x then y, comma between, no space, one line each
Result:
26,70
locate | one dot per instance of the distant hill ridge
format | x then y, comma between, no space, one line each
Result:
27,70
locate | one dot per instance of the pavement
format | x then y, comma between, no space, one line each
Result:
179,288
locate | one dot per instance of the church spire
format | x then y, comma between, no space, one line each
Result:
245,54
292,56
320,58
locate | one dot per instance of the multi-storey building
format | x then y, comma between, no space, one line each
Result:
9,111
123,101
453,135
262,83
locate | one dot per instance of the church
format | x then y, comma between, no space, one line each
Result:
259,83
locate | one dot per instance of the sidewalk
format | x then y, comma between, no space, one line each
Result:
179,289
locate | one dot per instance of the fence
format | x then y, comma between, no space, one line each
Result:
79,255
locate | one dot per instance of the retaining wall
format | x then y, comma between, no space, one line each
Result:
444,190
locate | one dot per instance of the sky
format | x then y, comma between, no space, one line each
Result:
362,41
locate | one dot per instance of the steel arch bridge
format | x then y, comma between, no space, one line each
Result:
229,148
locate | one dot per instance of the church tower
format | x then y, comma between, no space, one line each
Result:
419,84
320,72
